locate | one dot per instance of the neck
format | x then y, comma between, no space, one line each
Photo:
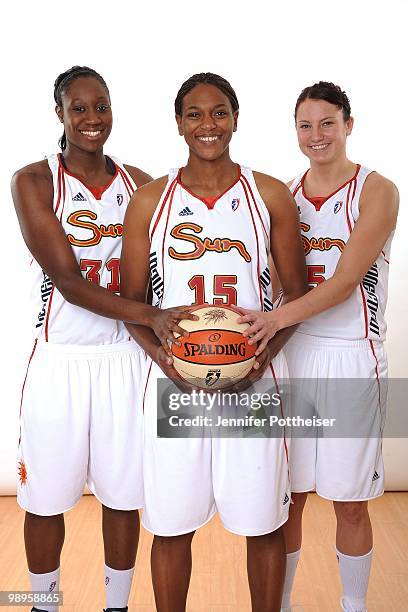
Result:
324,178
84,163
211,176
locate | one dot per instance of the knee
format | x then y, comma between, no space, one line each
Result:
353,513
170,542
297,504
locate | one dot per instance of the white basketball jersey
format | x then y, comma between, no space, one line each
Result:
92,219
326,226
211,250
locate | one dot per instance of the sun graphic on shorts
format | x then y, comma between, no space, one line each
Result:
214,316
22,472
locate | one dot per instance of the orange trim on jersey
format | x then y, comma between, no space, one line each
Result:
257,245
25,378
58,190
128,185
385,259
325,198
48,313
96,190
145,389
166,197
298,186
256,206
209,201
164,235
347,210
377,374
284,428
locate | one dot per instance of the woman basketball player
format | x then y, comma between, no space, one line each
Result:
174,225
348,214
81,418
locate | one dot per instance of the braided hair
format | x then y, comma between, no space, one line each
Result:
207,78
323,90
62,83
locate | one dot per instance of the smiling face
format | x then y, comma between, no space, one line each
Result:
86,113
207,121
322,131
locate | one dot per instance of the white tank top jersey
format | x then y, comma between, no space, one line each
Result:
211,250
326,225
92,219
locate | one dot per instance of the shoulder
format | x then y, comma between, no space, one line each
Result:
381,191
274,192
144,201
139,177
36,176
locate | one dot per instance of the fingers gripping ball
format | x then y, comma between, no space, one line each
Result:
216,354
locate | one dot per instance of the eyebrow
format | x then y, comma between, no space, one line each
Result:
193,106
308,120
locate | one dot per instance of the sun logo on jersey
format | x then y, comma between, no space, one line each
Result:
215,316
203,245
80,218
22,472
319,244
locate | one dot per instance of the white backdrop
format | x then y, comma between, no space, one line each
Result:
145,50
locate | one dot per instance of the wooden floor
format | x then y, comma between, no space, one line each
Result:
219,577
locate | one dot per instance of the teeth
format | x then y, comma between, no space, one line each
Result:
91,133
208,138
319,147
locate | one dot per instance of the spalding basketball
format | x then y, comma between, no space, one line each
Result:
215,354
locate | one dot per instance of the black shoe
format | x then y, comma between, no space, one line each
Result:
116,609
37,610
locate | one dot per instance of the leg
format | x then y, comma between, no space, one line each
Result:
266,570
120,537
171,570
354,535
293,542
354,542
44,538
293,527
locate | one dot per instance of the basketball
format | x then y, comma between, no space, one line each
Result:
216,354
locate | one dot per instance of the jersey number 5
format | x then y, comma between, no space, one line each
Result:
223,288
92,269
315,275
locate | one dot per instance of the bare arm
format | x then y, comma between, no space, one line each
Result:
135,270
377,219
287,255
32,191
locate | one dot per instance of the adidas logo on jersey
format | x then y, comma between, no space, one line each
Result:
79,198
286,499
376,476
185,212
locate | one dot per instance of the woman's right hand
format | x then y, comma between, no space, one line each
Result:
165,363
165,323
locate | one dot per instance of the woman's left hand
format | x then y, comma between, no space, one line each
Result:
263,326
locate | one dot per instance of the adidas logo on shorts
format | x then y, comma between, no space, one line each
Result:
79,198
186,211
286,499
376,476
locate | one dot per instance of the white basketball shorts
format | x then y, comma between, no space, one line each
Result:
187,480
346,468
81,423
